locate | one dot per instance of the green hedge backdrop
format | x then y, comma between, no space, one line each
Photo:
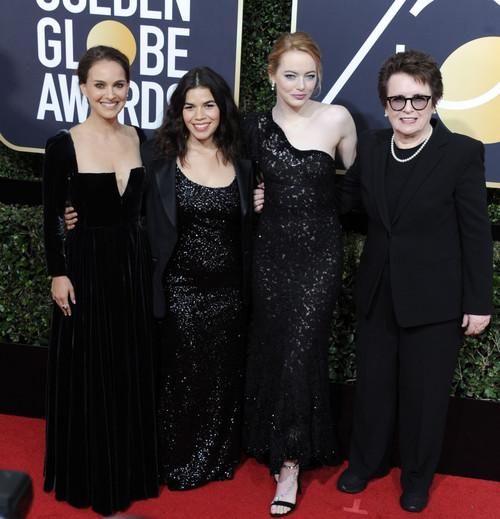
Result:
25,302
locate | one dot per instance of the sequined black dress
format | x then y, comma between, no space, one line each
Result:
101,434
202,360
296,280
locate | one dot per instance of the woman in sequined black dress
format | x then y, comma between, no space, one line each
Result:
297,269
199,216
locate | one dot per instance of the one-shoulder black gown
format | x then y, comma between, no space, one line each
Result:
296,279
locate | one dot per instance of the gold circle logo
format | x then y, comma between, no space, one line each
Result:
471,100
113,34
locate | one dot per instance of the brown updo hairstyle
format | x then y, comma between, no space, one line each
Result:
298,40
417,64
100,53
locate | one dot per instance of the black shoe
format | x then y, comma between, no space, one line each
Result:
414,501
350,483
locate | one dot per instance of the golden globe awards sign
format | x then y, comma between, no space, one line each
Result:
356,36
42,40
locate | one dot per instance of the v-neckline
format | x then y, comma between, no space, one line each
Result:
120,194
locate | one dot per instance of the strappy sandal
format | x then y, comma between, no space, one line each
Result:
278,500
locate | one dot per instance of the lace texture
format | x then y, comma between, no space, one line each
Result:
296,281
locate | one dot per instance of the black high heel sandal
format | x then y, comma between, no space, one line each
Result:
278,500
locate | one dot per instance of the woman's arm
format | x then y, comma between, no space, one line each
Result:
475,237
56,174
346,147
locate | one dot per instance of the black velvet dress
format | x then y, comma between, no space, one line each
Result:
296,279
100,434
202,360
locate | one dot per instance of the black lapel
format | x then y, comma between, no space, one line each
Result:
380,154
244,177
165,179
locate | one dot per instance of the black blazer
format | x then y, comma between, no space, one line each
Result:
438,246
161,218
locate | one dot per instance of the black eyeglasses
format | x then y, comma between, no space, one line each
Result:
419,102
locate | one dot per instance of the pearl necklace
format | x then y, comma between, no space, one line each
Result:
412,156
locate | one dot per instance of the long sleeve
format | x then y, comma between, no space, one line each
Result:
475,233
58,164
251,143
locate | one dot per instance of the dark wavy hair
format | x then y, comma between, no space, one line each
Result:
100,53
415,63
172,136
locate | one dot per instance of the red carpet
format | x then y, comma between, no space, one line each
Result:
248,495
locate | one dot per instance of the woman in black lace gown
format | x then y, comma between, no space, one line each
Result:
297,269
100,441
199,216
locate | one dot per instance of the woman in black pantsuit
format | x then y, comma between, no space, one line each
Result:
425,275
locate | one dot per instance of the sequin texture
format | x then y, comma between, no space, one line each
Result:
202,358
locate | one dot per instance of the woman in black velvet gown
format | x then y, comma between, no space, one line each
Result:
100,438
297,269
199,222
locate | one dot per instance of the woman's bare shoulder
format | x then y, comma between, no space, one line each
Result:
332,114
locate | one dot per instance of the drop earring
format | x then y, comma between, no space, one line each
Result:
273,84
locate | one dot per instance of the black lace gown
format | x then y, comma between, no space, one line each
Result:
202,360
101,436
296,280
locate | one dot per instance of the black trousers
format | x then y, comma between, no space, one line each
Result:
404,375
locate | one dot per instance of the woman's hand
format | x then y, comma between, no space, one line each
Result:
70,218
475,323
61,289
258,198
